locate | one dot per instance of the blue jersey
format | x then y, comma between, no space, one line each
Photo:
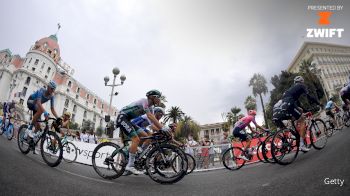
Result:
40,95
329,105
141,121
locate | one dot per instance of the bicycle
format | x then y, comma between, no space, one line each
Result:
7,127
50,147
286,142
231,157
159,160
338,121
70,151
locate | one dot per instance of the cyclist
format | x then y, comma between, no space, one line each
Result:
134,110
329,107
345,94
291,109
240,132
8,108
144,122
35,102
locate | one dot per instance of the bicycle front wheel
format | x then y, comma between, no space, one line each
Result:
10,131
109,160
266,149
231,158
318,134
51,149
330,127
23,140
70,152
285,146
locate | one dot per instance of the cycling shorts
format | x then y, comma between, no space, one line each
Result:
241,134
128,128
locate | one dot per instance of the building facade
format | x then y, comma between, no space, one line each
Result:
213,131
20,77
331,60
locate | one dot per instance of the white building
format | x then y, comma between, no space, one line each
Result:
20,77
332,60
213,131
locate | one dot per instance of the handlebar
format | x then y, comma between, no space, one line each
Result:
47,119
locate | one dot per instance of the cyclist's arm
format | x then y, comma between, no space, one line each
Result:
154,121
53,111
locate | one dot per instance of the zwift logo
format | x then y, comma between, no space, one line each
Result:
325,13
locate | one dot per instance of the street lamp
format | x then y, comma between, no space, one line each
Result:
115,72
315,69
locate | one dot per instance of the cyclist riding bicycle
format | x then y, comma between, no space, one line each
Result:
345,94
35,102
329,107
288,108
240,132
8,109
134,110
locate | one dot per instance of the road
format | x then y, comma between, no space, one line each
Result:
29,175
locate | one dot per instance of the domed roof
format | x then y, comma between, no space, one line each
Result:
49,45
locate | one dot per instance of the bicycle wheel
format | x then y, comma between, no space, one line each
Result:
10,130
329,127
191,163
259,153
231,159
51,149
70,152
266,149
346,120
160,164
318,134
340,122
285,146
1,129
109,160
22,142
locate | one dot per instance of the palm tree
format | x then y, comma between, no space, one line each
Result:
187,126
258,82
235,110
250,103
174,114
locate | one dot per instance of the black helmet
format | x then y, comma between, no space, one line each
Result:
298,79
154,93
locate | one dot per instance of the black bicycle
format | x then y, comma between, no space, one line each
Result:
7,127
50,144
163,162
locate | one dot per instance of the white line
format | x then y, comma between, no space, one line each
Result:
108,182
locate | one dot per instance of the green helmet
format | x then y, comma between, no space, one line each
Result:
154,93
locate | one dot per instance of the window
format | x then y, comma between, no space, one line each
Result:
85,114
27,81
64,110
21,101
76,96
78,90
66,103
217,131
49,51
94,101
74,108
206,132
212,132
33,68
73,117
42,66
48,70
36,62
87,96
94,119
69,83
30,60
45,76
1,74
24,91
86,103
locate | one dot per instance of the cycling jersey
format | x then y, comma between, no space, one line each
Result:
40,95
141,121
293,93
136,109
329,105
7,107
243,122
345,90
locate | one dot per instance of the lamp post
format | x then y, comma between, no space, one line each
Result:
317,71
115,72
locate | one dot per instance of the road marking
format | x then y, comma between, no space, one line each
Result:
266,184
89,178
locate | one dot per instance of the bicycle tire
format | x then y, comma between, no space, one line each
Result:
160,152
22,143
290,143
320,133
71,149
50,137
259,153
340,122
109,167
228,155
10,131
346,120
191,159
265,150
329,126
1,129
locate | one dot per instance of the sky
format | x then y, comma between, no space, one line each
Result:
199,54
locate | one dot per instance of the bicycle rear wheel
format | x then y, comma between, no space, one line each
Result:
51,149
346,120
10,130
109,160
340,122
70,152
22,142
285,146
259,153
318,134
231,160
329,127
266,149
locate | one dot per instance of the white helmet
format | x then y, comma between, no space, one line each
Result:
298,79
159,109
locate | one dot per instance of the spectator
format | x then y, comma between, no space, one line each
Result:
92,137
84,137
225,143
77,136
190,144
205,152
211,152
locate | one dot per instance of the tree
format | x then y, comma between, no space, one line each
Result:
88,125
234,111
174,114
258,82
250,103
73,125
185,127
99,131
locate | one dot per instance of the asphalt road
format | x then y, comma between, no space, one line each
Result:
29,175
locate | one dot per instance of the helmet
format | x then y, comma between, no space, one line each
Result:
252,112
298,79
52,84
154,93
159,109
67,114
46,114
